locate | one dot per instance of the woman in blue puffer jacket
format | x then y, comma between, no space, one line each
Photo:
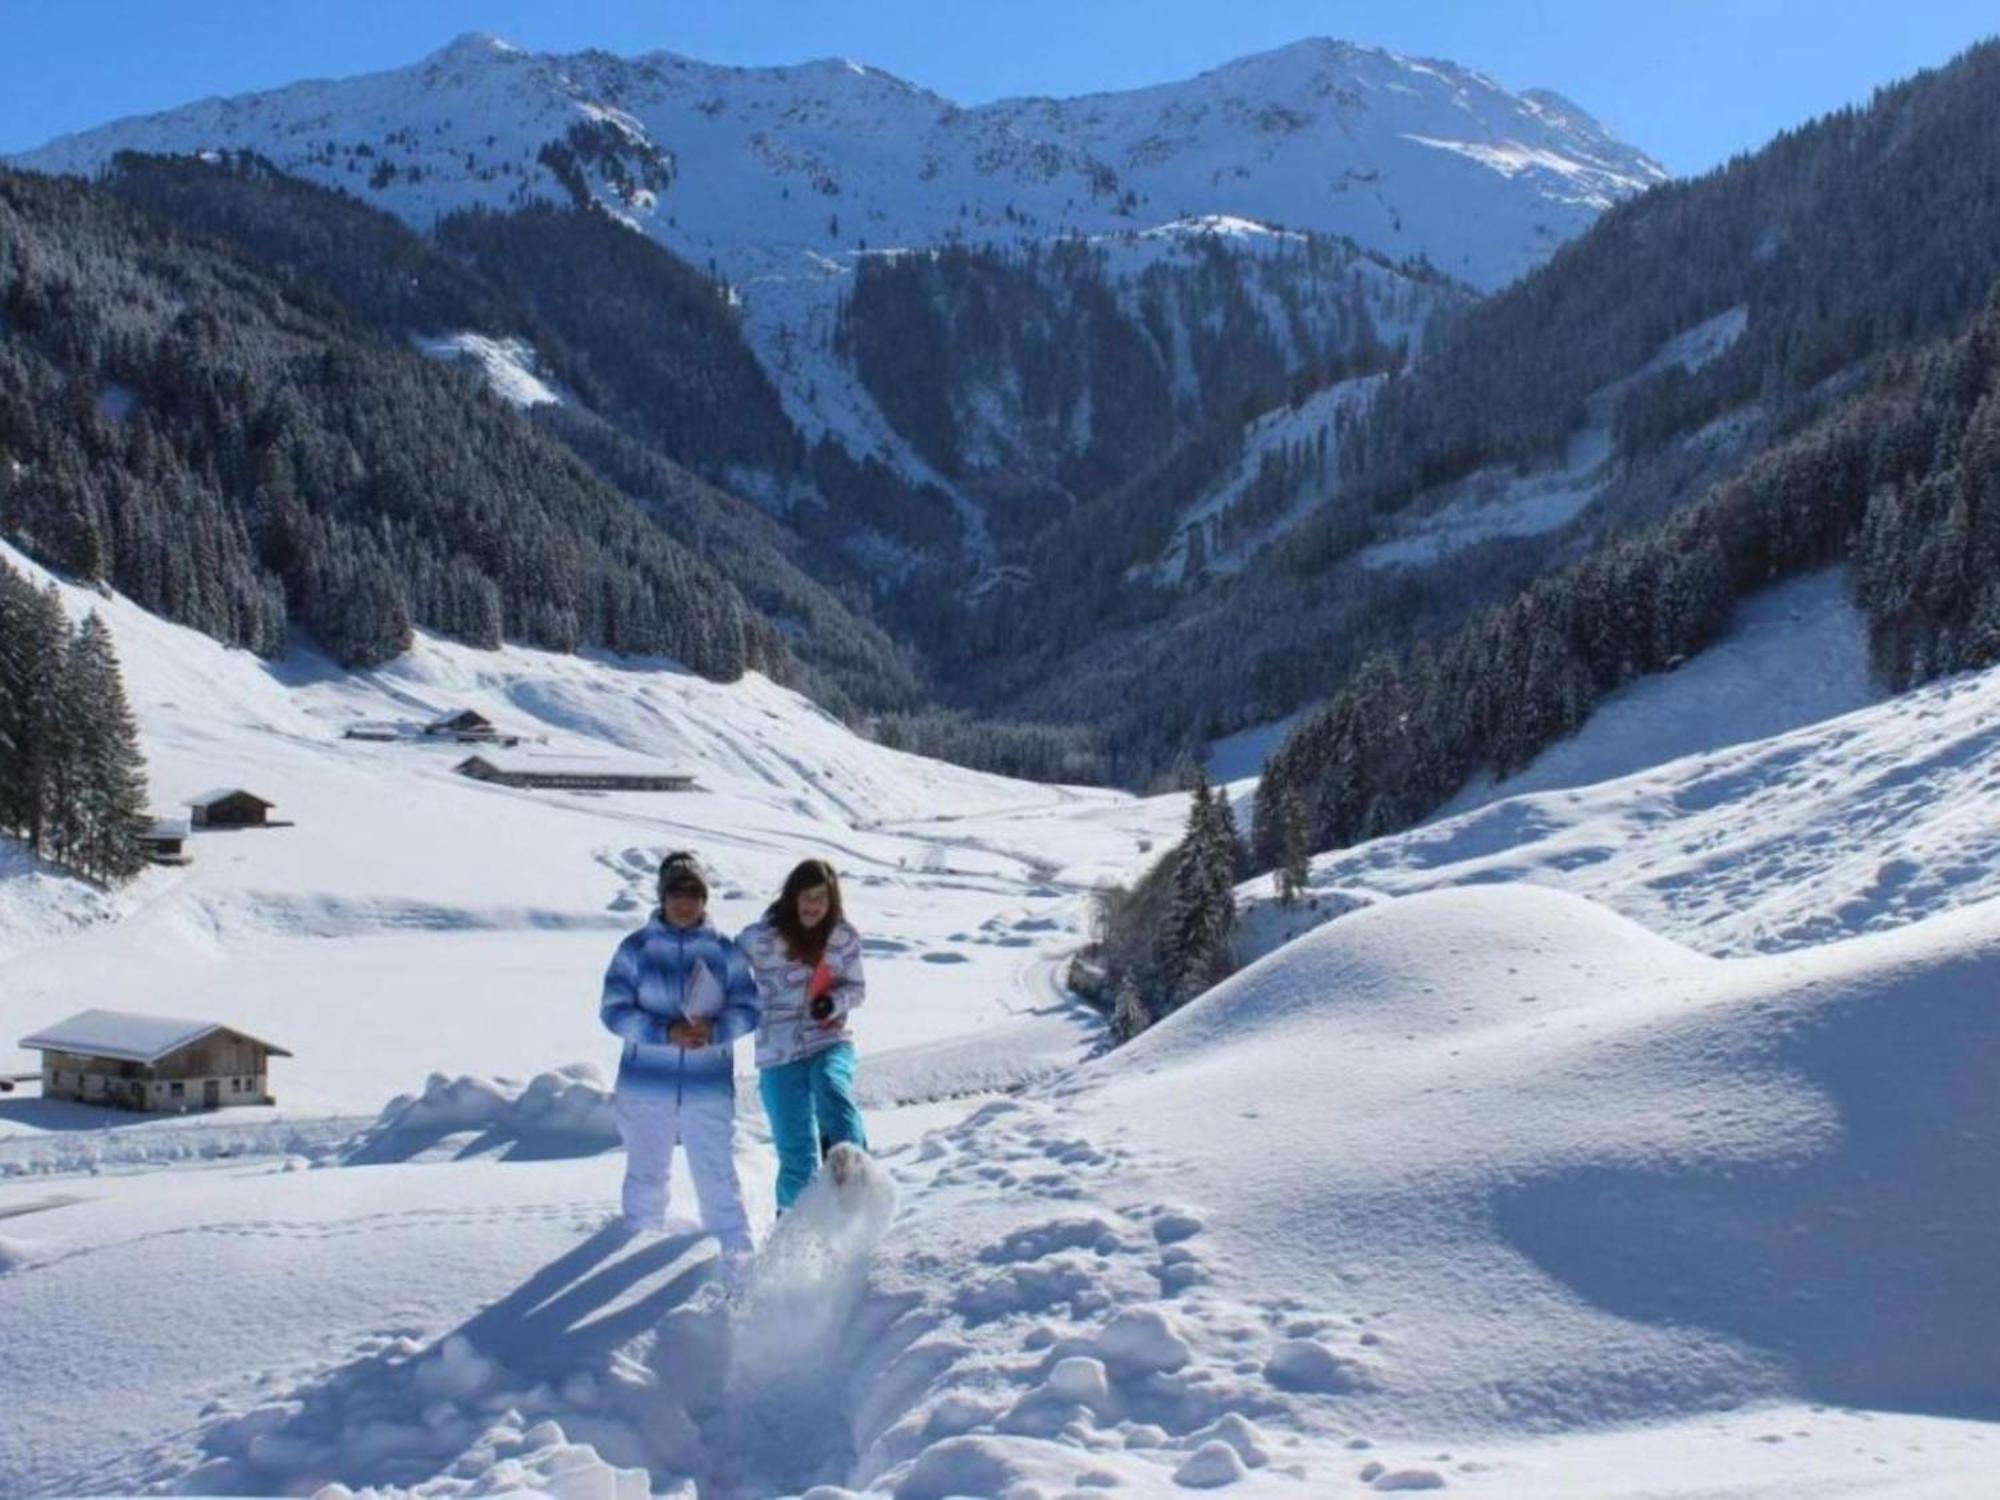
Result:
807,961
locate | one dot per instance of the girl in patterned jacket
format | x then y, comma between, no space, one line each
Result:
807,961
678,994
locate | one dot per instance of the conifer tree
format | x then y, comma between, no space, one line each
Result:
105,811
1294,868
1128,1012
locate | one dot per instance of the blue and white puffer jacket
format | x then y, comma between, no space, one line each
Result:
787,1031
662,974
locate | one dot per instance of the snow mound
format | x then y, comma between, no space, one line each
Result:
567,1112
39,903
1577,1173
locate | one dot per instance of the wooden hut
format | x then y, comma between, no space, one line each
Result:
164,839
465,726
574,772
229,807
158,1064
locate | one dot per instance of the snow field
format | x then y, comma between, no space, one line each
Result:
1529,1175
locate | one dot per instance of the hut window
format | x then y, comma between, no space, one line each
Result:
179,1089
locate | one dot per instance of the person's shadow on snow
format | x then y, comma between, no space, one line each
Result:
422,1409
569,1315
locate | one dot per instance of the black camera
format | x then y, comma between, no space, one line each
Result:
821,1007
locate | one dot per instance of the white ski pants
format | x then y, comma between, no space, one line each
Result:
705,1125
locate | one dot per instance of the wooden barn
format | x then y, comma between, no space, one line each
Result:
575,773
158,1064
229,807
466,726
164,841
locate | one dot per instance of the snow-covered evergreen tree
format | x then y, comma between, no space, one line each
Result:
1295,848
1129,1015
104,812
1195,947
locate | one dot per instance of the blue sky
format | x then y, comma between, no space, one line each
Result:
1691,81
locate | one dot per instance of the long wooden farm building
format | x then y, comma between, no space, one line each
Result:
576,772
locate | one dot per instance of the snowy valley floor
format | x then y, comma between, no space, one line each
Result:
1623,1138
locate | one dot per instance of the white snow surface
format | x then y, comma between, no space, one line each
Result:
1534,1174
509,365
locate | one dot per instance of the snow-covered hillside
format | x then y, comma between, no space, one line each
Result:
780,179
1504,501
423,921
1548,1183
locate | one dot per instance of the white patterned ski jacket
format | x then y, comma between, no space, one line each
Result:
786,1030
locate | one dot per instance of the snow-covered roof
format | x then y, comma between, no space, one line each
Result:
167,828
209,799
129,1036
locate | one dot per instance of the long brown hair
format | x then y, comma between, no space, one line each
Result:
806,945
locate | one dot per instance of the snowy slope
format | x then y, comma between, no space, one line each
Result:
1503,502
425,922
1314,420
1869,820
780,178
1547,1182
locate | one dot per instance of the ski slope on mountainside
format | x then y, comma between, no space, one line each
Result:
1872,819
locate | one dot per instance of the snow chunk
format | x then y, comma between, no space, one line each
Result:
1079,1378
1408,1479
457,1372
1210,1466
1239,1432
1141,1341
1306,1365
564,1112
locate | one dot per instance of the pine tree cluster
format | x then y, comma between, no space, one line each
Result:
72,780
240,459
1172,935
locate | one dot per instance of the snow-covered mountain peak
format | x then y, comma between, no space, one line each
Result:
476,47
1408,158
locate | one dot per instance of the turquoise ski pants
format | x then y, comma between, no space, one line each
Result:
810,1104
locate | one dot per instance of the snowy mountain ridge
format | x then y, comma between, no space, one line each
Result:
748,166
778,180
